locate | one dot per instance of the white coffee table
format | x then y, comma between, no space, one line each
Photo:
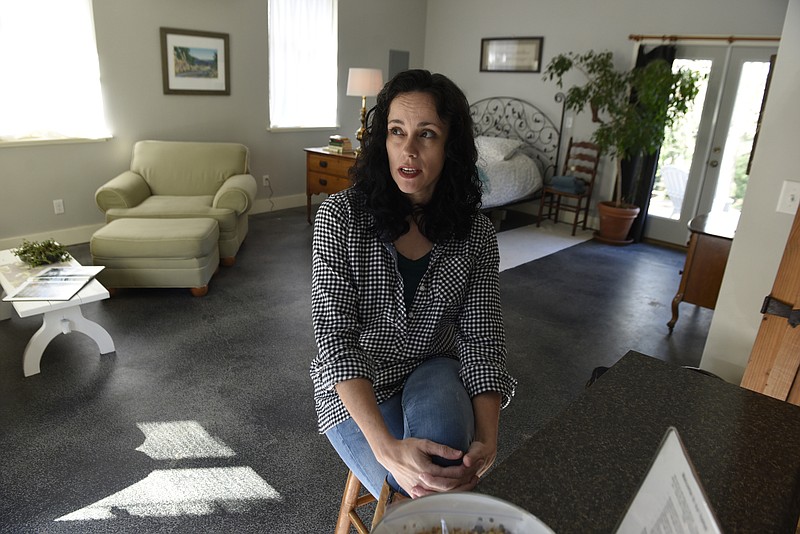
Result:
60,317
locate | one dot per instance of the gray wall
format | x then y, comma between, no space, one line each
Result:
455,29
130,63
442,35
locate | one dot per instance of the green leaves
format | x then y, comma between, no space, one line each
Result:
632,108
36,253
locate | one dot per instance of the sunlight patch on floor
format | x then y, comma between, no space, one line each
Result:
176,440
174,492
177,492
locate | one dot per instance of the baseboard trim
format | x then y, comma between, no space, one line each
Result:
265,205
83,234
65,236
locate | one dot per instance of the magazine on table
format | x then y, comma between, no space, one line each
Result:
671,497
55,283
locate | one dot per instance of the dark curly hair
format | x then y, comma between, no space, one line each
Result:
457,195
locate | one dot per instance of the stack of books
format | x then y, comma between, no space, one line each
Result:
339,144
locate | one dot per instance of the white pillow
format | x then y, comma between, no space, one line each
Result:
492,149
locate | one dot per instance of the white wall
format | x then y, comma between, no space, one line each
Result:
455,29
130,63
762,233
454,32
442,35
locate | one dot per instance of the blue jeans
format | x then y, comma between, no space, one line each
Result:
433,405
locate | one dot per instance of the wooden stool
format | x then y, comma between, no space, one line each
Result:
352,501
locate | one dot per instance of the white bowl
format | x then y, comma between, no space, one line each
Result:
459,510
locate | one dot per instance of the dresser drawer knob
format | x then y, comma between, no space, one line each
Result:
323,164
323,181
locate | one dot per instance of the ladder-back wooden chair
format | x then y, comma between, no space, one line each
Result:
572,191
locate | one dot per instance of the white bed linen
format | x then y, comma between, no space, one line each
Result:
510,180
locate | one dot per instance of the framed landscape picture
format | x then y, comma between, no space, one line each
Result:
511,54
195,62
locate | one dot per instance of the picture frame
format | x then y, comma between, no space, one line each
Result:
195,62
511,54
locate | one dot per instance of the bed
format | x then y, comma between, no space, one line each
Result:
518,149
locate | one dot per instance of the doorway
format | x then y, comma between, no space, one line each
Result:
704,162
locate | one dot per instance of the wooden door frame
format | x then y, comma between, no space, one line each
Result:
775,358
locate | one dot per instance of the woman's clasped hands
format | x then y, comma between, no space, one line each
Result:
411,463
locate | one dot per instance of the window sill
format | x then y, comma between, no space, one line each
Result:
280,129
42,142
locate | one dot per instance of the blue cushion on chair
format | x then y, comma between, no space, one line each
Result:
484,178
568,184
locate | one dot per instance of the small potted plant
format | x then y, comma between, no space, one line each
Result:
36,253
633,110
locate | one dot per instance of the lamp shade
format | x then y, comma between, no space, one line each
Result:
364,82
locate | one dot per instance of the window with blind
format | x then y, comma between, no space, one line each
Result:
51,74
303,49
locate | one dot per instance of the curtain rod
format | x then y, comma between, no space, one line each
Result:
730,38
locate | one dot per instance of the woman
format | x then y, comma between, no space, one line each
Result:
411,373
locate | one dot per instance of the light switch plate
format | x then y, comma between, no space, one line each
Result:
790,197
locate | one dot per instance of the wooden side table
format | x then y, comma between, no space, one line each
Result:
709,246
327,173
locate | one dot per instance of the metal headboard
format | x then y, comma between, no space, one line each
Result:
512,118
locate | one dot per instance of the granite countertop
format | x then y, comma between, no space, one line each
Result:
579,472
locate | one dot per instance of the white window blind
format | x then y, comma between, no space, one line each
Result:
51,76
303,50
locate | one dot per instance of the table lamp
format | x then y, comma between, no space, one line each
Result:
363,82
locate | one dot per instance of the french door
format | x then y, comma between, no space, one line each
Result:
704,162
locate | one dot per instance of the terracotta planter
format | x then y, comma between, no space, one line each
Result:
615,222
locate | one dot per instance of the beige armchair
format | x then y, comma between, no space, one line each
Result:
185,180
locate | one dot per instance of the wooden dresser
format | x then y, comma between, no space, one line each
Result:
709,246
326,172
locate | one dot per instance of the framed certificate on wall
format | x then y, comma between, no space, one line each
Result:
511,54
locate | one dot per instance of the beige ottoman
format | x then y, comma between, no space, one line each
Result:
157,253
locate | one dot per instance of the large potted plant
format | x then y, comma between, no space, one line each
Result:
633,109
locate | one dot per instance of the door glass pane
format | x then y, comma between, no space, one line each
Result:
675,158
732,181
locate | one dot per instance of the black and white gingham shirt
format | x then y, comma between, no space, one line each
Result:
361,324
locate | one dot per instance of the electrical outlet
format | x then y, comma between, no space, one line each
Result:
265,180
58,206
790,197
